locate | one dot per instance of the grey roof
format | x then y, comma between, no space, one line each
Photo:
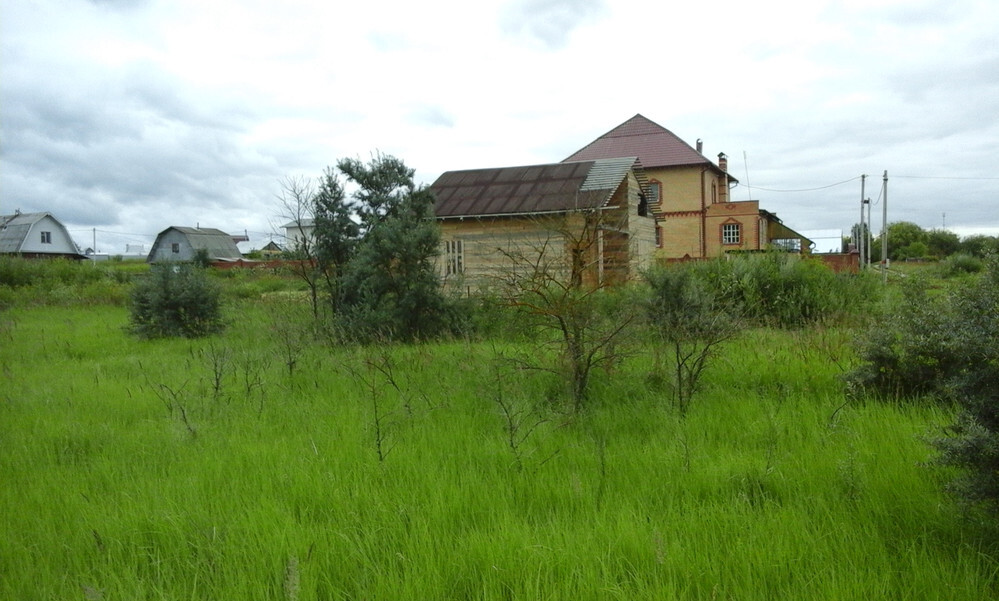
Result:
218,244
530,189
14,229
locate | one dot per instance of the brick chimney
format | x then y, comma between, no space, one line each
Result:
723,162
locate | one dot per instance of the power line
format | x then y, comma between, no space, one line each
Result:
90,229
946,177
852,179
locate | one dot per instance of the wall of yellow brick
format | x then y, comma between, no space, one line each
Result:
746,213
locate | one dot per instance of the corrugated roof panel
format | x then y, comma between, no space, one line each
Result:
607,174
528,189
12,237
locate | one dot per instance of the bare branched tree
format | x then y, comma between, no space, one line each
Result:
556,282
691,322
297,199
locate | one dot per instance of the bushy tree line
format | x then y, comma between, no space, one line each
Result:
782,289
907,240
944,345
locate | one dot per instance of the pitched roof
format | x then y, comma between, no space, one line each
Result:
550,188
654,145
14,230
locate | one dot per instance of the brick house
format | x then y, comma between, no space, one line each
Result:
690,195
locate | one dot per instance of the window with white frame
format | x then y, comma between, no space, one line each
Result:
46,237
454,257
731,233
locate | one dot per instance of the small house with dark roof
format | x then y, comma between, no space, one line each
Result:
591,215
690,195
183,244
36,235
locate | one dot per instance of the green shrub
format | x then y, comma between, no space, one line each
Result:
945,346
960,264
785,290
16,272
176,300
59,282
972,443
911,349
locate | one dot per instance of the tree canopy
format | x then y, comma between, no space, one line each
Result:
375,248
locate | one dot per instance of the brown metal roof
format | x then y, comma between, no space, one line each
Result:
654,145
551,188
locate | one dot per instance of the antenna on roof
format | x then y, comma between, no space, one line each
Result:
749,189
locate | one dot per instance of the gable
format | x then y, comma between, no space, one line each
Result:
22,233
216,243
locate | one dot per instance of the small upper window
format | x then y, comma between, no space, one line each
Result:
175,247
655,192
731,233
454,257
46,237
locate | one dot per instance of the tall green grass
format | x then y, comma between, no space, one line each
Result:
268,485
65,282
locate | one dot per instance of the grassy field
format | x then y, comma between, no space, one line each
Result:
259,465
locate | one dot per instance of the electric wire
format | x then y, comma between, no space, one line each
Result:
852,179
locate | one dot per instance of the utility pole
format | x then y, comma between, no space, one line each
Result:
865,254
861,233
884,230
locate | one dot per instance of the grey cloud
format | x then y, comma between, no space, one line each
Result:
549,21
91,147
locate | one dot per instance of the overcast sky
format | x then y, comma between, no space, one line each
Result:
129,116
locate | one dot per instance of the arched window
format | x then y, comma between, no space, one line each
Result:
655,191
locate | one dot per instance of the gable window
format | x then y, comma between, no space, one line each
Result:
46,237
175,247
731,233
454,257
